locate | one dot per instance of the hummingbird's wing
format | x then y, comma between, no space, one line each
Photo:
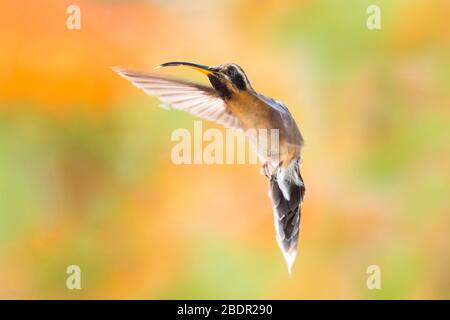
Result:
197,99
275,104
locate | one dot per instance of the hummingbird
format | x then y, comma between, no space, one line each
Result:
232,102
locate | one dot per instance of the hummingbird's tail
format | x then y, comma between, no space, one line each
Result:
286,191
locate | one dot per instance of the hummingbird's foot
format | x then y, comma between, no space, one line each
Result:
267,170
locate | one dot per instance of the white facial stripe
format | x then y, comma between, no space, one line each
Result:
242,73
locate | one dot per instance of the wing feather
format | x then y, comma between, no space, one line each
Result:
197,99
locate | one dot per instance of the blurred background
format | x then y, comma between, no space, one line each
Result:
86,176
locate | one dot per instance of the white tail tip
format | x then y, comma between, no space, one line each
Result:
290,259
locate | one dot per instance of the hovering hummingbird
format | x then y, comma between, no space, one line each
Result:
232,102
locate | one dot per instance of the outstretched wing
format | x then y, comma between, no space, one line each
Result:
197,99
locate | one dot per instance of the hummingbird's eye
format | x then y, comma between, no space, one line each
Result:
236,77
231,71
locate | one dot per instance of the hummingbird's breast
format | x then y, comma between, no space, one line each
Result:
257,117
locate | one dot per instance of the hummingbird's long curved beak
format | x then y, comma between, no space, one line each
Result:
199,67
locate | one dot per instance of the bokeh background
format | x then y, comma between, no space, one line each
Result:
86,176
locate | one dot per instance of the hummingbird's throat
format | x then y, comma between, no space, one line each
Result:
221,87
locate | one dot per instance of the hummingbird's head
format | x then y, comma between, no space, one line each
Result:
228,79
233,76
